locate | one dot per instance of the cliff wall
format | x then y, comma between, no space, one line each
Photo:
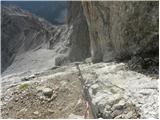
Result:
122,29
79,38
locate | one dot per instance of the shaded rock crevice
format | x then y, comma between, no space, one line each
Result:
79,38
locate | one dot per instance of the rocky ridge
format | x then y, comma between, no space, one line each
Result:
117,92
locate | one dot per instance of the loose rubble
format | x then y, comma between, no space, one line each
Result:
114,92
117,92
51,94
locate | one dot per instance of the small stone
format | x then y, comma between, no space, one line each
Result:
16,100
47,92
54,67
116,113
25,79
32,76
119,116
28,78
22,111
72,116
119,105
41,98
129,115
60,108
39,89
53,97
43,102
50,110
36,113
94,89
79,102
107,114
107,107
56,88
145,92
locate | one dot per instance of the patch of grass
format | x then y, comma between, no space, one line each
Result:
23,86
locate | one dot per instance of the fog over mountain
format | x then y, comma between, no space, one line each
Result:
53,11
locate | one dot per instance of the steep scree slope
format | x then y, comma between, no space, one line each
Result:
24,35
21,31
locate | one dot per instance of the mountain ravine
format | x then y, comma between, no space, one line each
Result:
103,62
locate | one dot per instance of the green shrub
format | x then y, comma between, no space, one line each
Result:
23,86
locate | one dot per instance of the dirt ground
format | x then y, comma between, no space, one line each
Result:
28,101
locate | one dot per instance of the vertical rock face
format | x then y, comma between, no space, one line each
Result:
98,21
79,38
122,29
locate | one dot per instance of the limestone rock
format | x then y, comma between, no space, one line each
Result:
79,38
61,59
36,113
47,92
120,30
120,93
73,116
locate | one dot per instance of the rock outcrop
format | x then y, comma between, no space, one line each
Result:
79,38
122,29
118,93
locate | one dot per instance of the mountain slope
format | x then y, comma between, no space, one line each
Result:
28,41
53,11
21,32
118,35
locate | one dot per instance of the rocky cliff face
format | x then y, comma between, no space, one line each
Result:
122,29
79,38
103,30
